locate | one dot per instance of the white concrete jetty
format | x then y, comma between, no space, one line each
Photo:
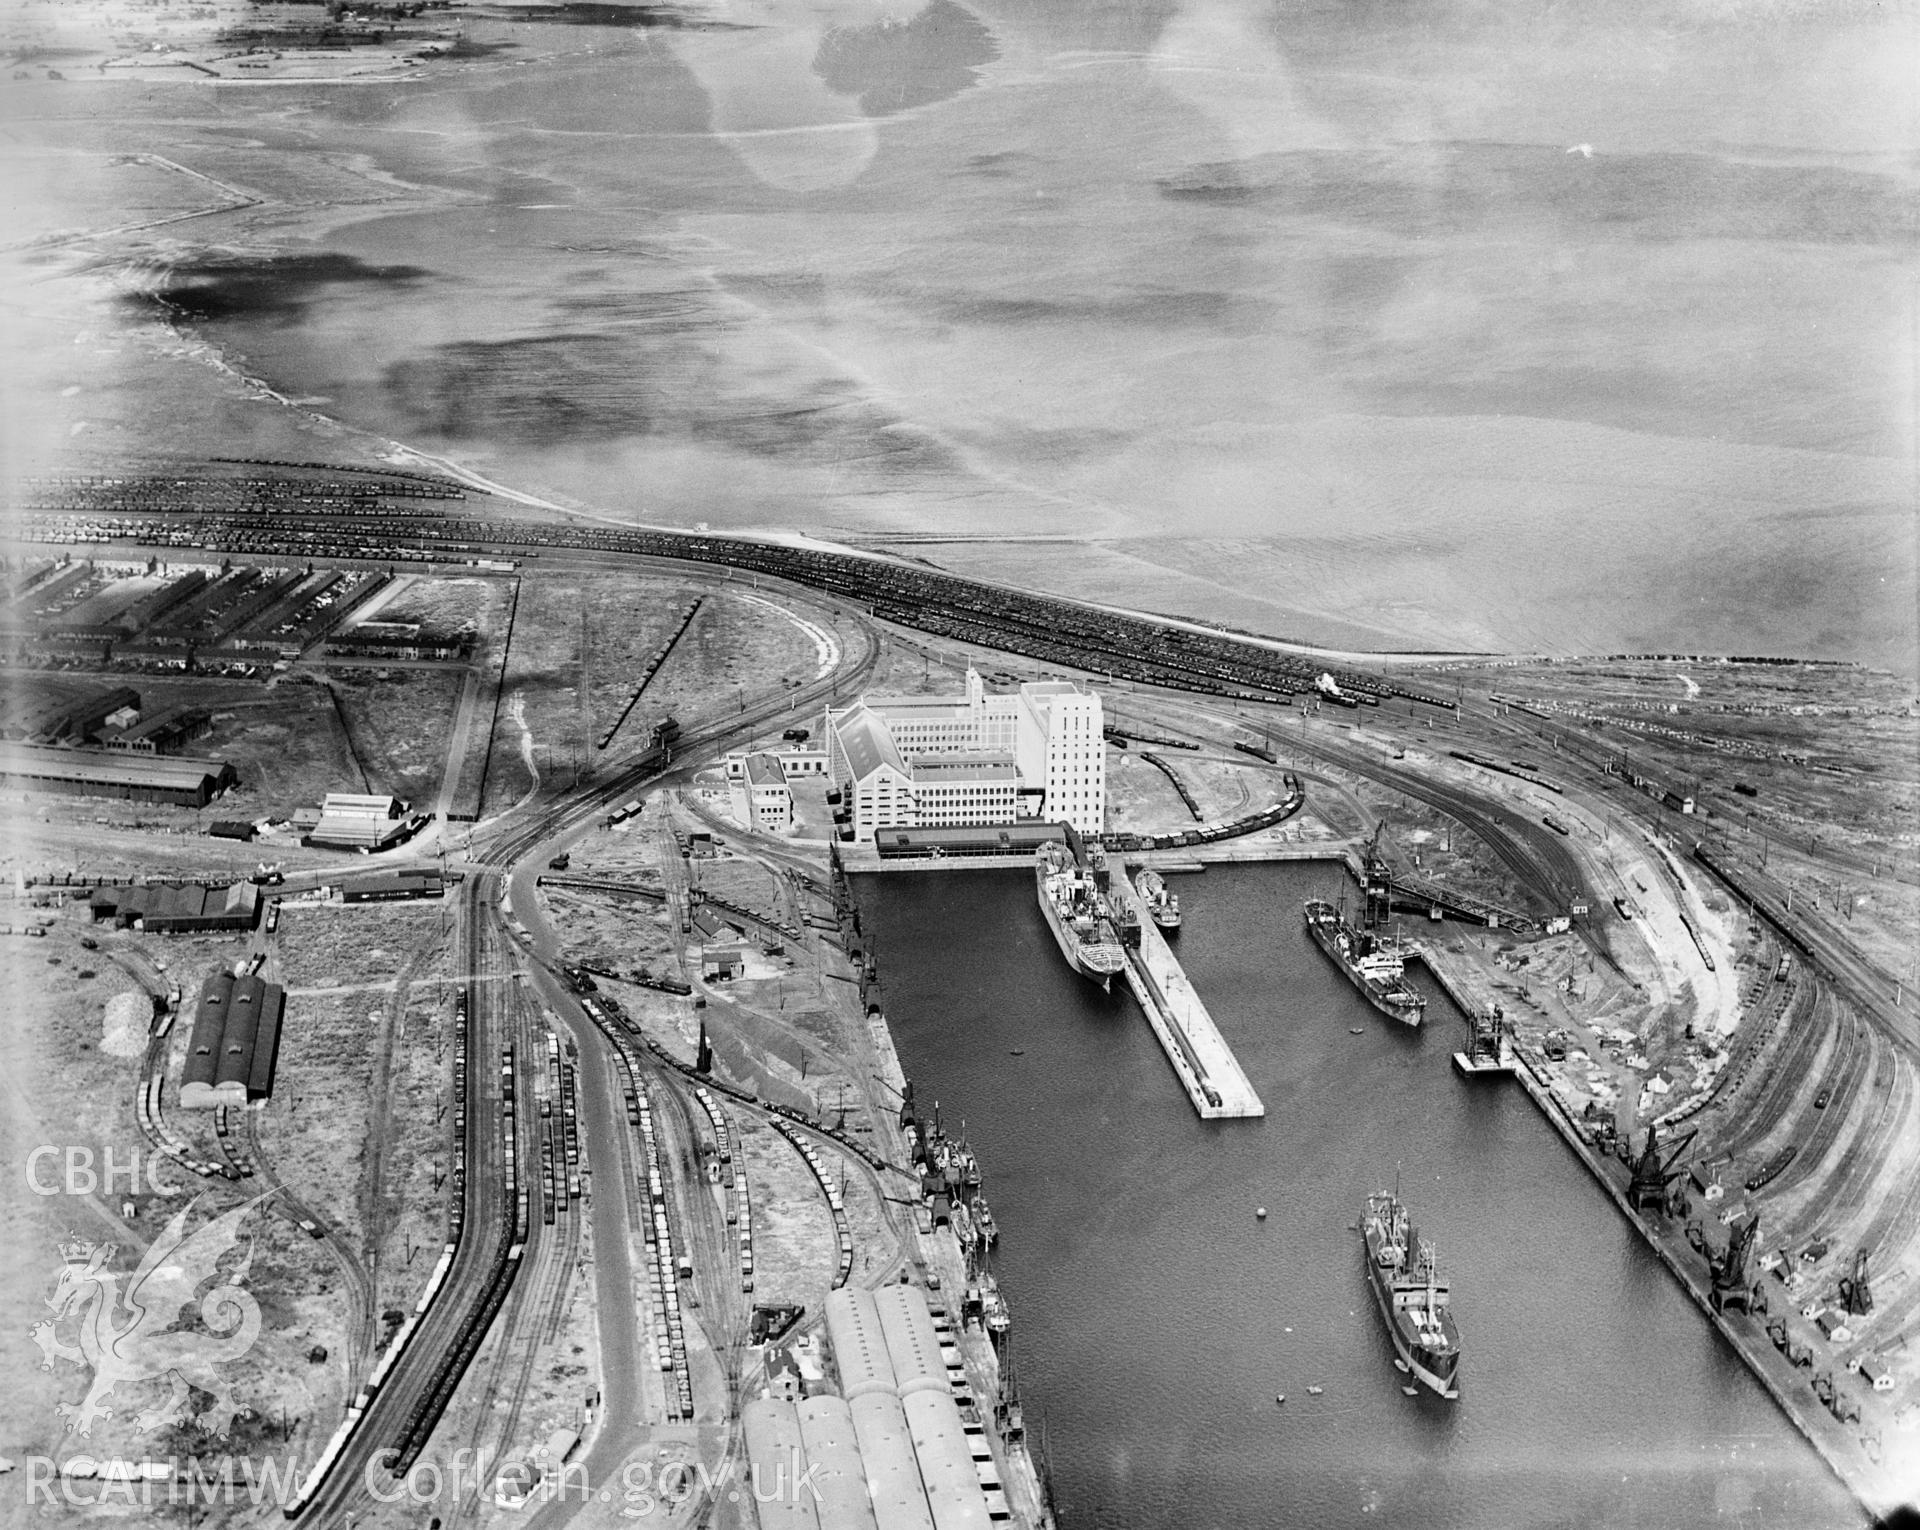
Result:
1200,1056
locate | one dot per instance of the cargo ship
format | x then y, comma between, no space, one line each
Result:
1163,907
1373,965
1413,1300
1074,900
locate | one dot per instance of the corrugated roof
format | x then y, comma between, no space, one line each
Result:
772,1429
175,772
833,1455
359,803
183,715
353,829
940,1450
209,1022
266,1045
886,1449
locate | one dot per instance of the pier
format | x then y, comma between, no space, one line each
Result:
1490,1050
1200,1056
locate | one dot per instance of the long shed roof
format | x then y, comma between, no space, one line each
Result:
170,772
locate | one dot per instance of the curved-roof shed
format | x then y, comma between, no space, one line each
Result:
859,1343
947,1473
833,1457
893,1475
912,1344
777,1465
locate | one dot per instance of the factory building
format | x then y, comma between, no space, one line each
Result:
236,1038
136,777
356,821
869,769
982,758
1062,744
959,789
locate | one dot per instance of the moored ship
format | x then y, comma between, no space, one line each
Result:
1162,906
1075,902
1374,965
1413,1300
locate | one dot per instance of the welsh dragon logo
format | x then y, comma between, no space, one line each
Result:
129,1335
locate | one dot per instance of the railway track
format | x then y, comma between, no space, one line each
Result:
503,1172
373,1197
409,1388
1872,1146
1897,1223
530,1321
362,1313
1782,1080
1535,857
1840,1082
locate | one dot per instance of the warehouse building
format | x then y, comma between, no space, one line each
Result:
181,780
178,908
908,761
833,1458
236,1039
782,1492
909,1445
357,821
393,887
166,732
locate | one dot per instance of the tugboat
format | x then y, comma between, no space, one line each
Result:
1373,964
1413,1300
1074,899
1162,906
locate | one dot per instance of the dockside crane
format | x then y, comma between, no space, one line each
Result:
1007,1412
1654,1173
1856,1295
1732,1291
1377,880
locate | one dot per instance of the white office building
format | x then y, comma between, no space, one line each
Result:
762,799
980,758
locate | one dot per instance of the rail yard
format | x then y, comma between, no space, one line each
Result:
598,1135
